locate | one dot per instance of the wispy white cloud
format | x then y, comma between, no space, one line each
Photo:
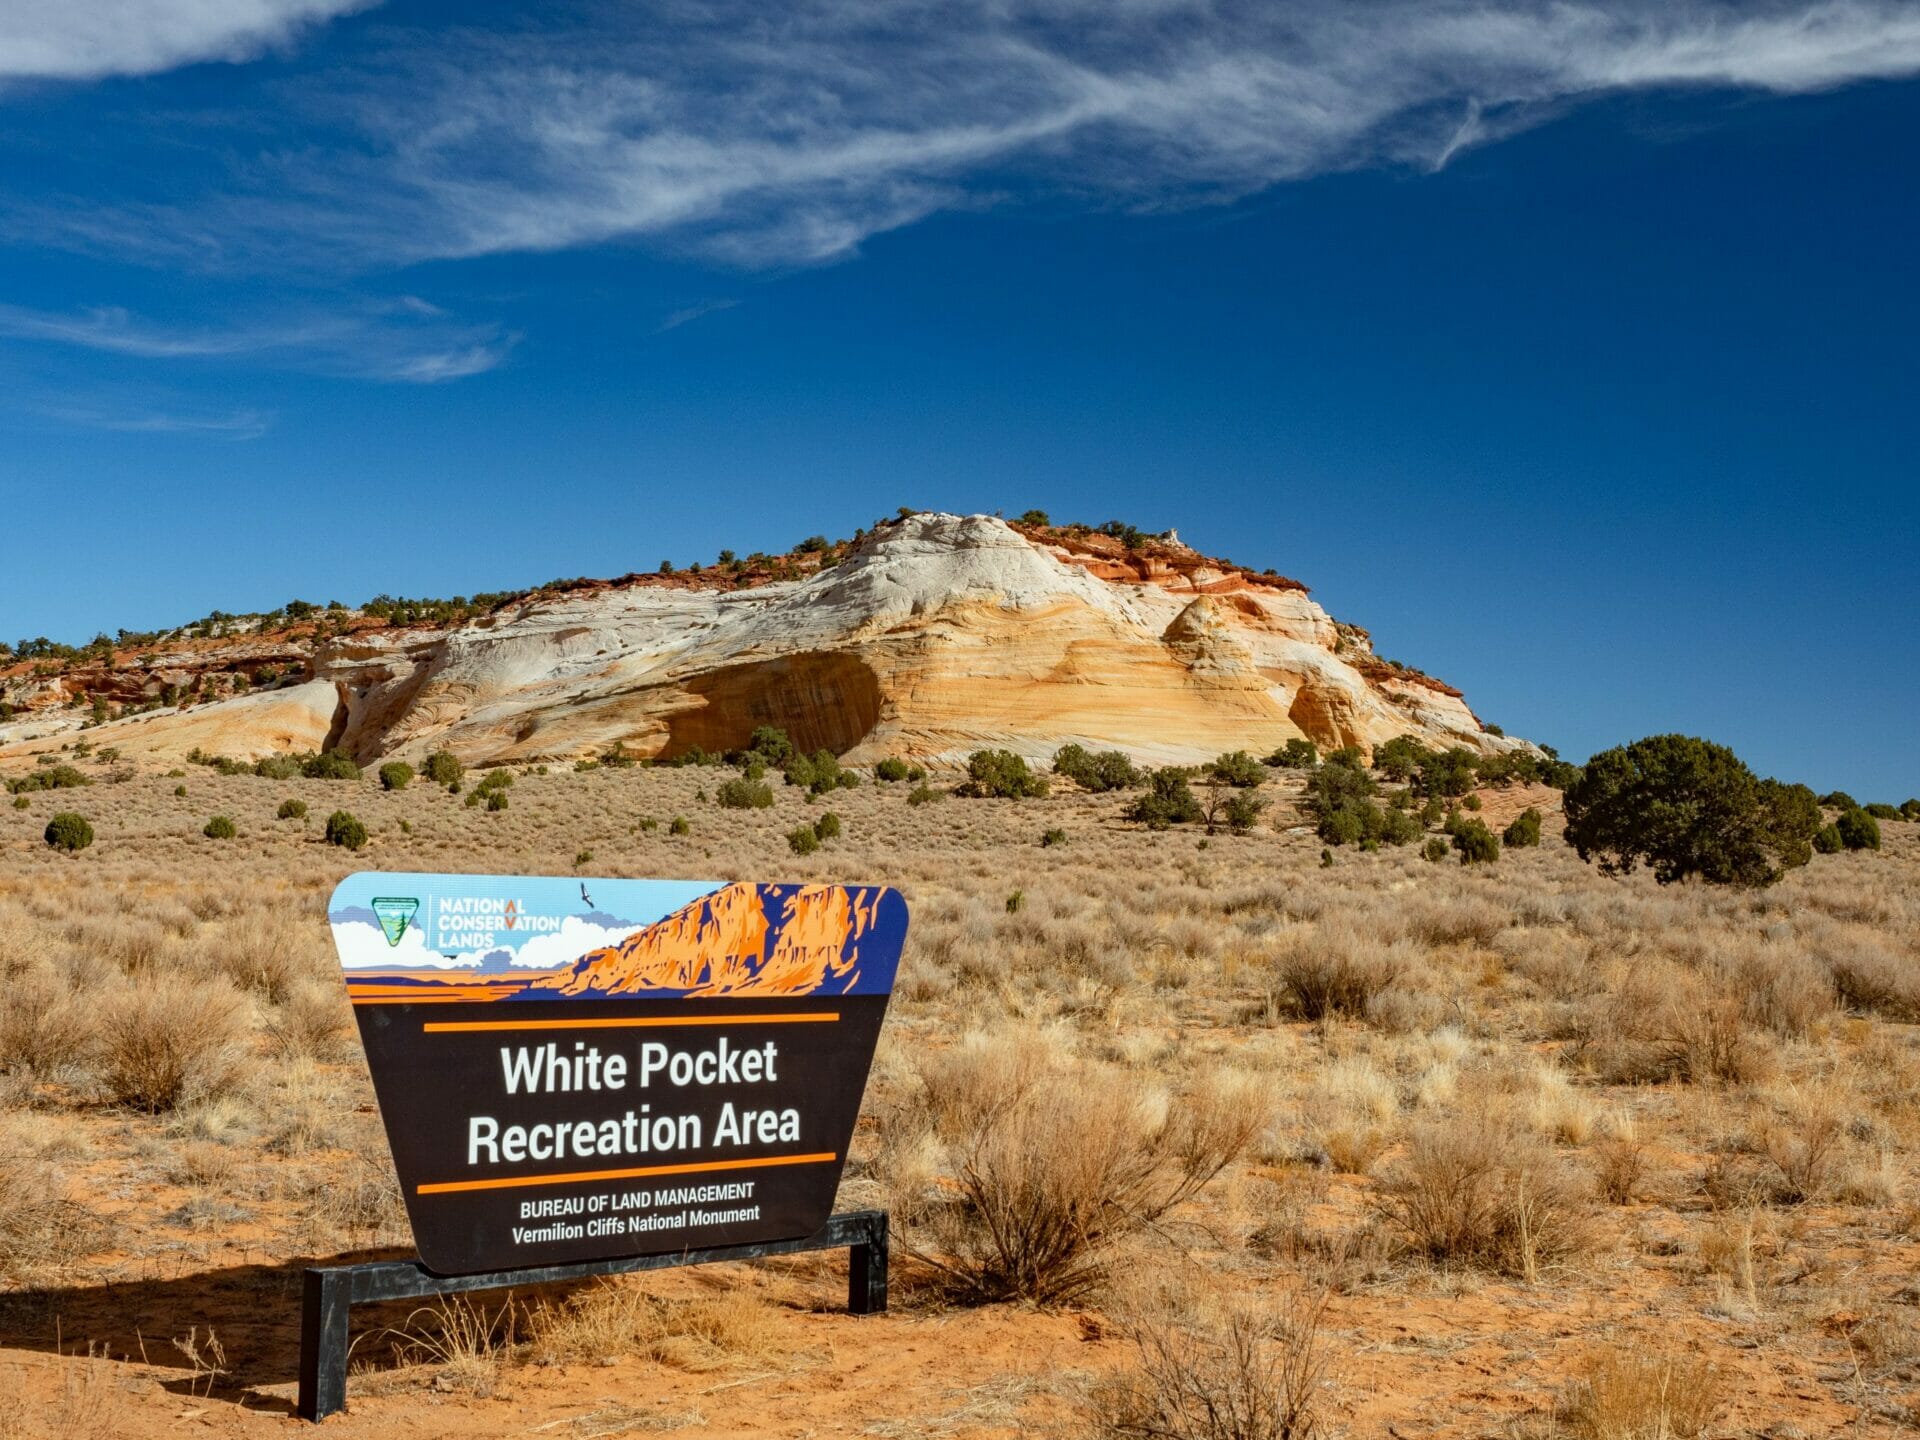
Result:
229,425
766,135
686,315
406,341
87,39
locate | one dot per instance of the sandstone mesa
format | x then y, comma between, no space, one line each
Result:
932,636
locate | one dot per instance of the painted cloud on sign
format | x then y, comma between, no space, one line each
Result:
363,945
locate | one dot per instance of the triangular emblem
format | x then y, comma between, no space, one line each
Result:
395,915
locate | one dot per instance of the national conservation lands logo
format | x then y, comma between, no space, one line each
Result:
394,915
574,1070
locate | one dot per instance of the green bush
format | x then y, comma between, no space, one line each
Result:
1050,838
1858,830
1000,774
179,792
827,827
1238,769
219,828
771,744
1295,755
1436,849
1910,808
803,841
890,770
68,832
1449,773
922,795
1883,812
54,777
1401,758
330,765
396,775
1475,842
1169,800
291,810
443,767
20,802
1524,831
819,772
743,794
679,826
1237,810
277,767
498,778
1684,806
1827,840
496,800
1839,800
345,831
1101,772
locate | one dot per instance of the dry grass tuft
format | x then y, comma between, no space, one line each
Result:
611,1320
1637,1396
1476,1189
1232,1372
165,1041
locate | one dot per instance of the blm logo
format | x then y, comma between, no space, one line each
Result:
394,915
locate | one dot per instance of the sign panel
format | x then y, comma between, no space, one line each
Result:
582,1069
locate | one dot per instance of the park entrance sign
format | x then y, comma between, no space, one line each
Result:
575,1070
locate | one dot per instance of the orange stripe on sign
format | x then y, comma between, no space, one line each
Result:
451,1187
633,1022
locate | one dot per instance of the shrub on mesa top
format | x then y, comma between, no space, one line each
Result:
1858,830
1000,774
1098,772
1687,807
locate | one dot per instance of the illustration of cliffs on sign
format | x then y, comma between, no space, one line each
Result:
738,940
926,637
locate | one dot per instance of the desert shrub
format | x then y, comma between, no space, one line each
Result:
802,840
1476,843
772,745
171,1039
743,794
1000,774
1294,755
69,832
1240,1372
1099,772
1435,849
1827,841
396,775
820,773
498,778
53,777
443,767
609,1320
1618,1164
1839,800
1524,831
1869,977
1334,970
291,810
1237,768
827,827
922,795
1169,800
1910,809
1236,810
21,802
277,767
1685,807
1055,1166
1858,830
1448,773
1050,838
344,830
330,765
1475,1189
891,770
44,1025
218,828
1880,811
1640,1395
1399,760
497,800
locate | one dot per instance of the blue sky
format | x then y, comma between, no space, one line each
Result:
1566,347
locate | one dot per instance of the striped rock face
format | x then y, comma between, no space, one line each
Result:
934,636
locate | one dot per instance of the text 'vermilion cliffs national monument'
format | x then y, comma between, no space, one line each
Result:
932,636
